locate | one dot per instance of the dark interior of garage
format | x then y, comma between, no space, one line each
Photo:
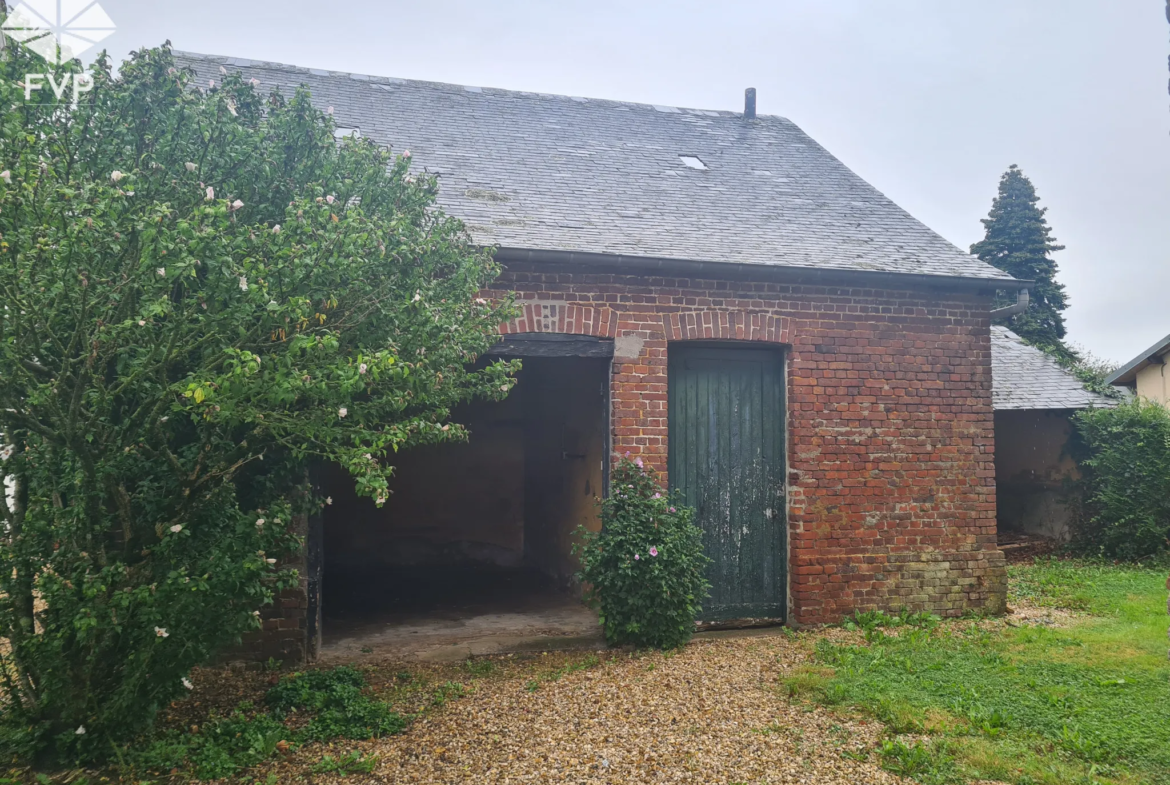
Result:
1035,474
481,527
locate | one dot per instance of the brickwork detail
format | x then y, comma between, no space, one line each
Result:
725,325
891,488
556,317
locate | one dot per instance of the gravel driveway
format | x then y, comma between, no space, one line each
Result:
710,713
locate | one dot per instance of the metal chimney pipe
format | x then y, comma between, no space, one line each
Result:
749,104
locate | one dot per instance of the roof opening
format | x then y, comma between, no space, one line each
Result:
693,161
341,133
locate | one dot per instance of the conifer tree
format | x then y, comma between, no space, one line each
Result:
1019,241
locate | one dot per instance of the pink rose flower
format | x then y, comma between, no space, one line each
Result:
653,551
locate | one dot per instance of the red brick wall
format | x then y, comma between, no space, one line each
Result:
891,481
890,429
284,624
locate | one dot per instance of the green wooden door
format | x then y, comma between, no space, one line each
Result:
726,420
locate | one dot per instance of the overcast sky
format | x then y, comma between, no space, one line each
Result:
928,100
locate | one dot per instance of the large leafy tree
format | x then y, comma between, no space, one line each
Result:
1019,241
201,293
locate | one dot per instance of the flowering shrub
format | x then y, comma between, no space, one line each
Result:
202,292
644,570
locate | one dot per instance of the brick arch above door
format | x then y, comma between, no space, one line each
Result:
556,316
725,325
559,317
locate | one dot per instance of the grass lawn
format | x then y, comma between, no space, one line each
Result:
1082,700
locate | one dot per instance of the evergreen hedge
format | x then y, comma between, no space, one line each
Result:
1124,453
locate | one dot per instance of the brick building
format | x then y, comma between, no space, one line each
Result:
716,293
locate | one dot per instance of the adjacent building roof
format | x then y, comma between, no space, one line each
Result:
530,171
1023,377
1127,374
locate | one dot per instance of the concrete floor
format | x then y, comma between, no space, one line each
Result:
448,613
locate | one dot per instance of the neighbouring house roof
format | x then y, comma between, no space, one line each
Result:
538,172
1127,374
1023,377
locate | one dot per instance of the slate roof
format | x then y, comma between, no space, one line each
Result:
1127,374
555,173
1023,377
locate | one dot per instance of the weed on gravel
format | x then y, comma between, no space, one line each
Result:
534,684
300,708
282,718
354,762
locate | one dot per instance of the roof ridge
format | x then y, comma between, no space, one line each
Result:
243,62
